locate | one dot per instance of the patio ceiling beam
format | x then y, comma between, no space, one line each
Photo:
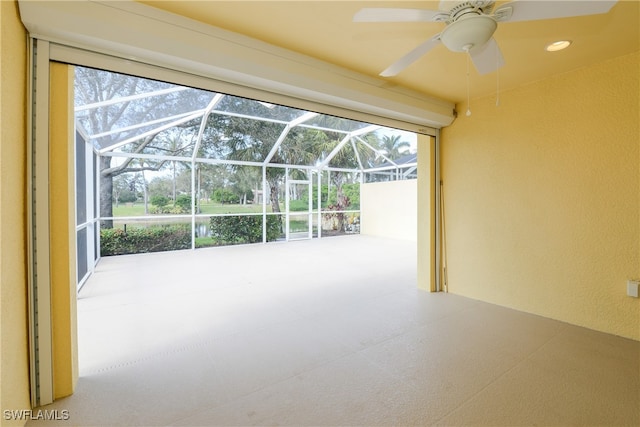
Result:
140,125
195,112
355,133
387,168
305,167
323,128
347,170
409,171
151,132
122,154
181,159
336,150
224,113
365,130
228,162
218,161
203,123
247,116
375,150
303,118
275,147
285,132
355,150
224,162
129,98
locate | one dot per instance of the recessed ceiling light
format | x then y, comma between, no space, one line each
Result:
556,46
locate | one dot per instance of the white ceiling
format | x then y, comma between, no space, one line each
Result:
325,30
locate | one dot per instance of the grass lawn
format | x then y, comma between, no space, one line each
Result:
216,208
127,209
204,242
137,209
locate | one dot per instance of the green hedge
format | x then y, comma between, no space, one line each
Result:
115,241
231,230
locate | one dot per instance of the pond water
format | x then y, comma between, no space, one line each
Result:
203,230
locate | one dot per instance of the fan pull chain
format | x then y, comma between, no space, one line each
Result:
497,78
468,86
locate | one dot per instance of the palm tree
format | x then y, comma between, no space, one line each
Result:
391,145
345,158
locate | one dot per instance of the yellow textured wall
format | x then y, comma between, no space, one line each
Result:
14,366
62,220
542,198
390,209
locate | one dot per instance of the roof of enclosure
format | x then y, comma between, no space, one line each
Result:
127,116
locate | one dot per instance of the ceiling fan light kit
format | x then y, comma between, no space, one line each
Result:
468,32
470,25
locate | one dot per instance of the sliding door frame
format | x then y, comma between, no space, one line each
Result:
39,273
42,52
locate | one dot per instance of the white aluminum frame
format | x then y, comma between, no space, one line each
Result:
91,223
349,139
178,50
309,213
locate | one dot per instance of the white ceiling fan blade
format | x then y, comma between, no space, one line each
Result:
532,10
411,57
395,15
487,58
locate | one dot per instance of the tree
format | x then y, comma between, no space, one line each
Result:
223,195
248,140
174,144
160,186
112,117
238,138
125,189
211,177
159,201
182,181
342,159
244,180
94,88
351,191
345,158
183,201
392,146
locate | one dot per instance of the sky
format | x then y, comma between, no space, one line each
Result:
410,137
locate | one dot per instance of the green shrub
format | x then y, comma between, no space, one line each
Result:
352,192
223,195
176,210
141,240
231,230
167,210
159,201
324,189
183,202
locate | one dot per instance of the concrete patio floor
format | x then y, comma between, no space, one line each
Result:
328,332
172,299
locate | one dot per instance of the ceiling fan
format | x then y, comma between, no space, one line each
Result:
470,25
